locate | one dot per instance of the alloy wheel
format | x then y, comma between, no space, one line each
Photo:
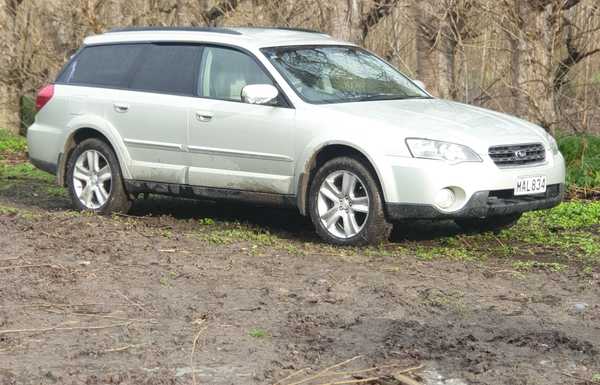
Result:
92,179
343,204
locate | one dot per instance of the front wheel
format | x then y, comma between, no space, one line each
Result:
345,204
94,179
493,224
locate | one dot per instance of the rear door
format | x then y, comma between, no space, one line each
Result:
235,145
144,91
152,114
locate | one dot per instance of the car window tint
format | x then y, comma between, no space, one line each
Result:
168,68
225,72
106,65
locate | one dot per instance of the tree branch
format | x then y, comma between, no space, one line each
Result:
380,10
220,9
574,56
568,4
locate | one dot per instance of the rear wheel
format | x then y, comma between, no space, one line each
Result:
345,204
481,225
94,179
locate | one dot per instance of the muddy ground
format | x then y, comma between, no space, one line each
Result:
128,300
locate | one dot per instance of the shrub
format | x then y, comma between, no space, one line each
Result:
582,156
27,113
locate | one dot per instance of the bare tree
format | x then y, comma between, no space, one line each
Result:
534,58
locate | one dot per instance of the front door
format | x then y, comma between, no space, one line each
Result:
235,145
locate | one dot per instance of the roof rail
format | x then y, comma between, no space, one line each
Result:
183,29
289,29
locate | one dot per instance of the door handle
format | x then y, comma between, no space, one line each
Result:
204,116
121,108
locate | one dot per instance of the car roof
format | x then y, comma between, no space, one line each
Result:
247,37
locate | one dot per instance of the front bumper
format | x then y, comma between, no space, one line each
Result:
481,205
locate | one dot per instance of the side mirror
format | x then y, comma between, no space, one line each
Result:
420,84
259,93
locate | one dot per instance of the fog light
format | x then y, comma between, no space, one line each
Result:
445,198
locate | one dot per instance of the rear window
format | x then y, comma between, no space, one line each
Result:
106,65
168,68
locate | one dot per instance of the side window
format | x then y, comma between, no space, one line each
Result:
226,71
168,68
104,65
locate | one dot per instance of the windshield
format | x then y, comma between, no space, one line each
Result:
340,74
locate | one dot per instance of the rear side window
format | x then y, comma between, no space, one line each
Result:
168,68
106,65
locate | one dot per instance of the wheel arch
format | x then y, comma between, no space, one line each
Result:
319,157
77,136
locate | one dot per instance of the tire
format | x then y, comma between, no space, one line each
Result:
344,208
491,224
113,197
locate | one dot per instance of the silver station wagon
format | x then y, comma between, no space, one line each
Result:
283,117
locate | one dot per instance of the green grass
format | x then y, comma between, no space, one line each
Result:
21,171
537,265
257,333
550,240
17,179
572,215
10,143
569,233
582,156
236,232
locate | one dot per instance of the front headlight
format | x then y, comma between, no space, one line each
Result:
552,142
433,149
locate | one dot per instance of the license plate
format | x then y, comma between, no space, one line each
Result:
528,185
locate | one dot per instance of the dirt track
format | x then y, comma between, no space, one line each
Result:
128,296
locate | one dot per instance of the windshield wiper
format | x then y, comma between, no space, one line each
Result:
365,98
388,97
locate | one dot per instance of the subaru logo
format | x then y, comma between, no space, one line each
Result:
520,154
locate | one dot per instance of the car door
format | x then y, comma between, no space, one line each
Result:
151,114
235,145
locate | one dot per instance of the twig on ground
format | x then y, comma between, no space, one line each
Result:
499,241
463,239
32,266
296,373
53,235
61,305
10,259
325,372
355,372
136,304
575,377
131,216
405,379
121,349
370,379
197,322
340,375
151,320
63,328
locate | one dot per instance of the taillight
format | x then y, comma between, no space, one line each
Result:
44,96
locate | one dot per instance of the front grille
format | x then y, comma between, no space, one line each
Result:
517,154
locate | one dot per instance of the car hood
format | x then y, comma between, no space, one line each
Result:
443,120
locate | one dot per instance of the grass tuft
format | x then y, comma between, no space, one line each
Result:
257,333
10,143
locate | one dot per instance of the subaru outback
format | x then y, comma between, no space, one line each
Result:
283,117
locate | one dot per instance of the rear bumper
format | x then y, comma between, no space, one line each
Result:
43,165
482,204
